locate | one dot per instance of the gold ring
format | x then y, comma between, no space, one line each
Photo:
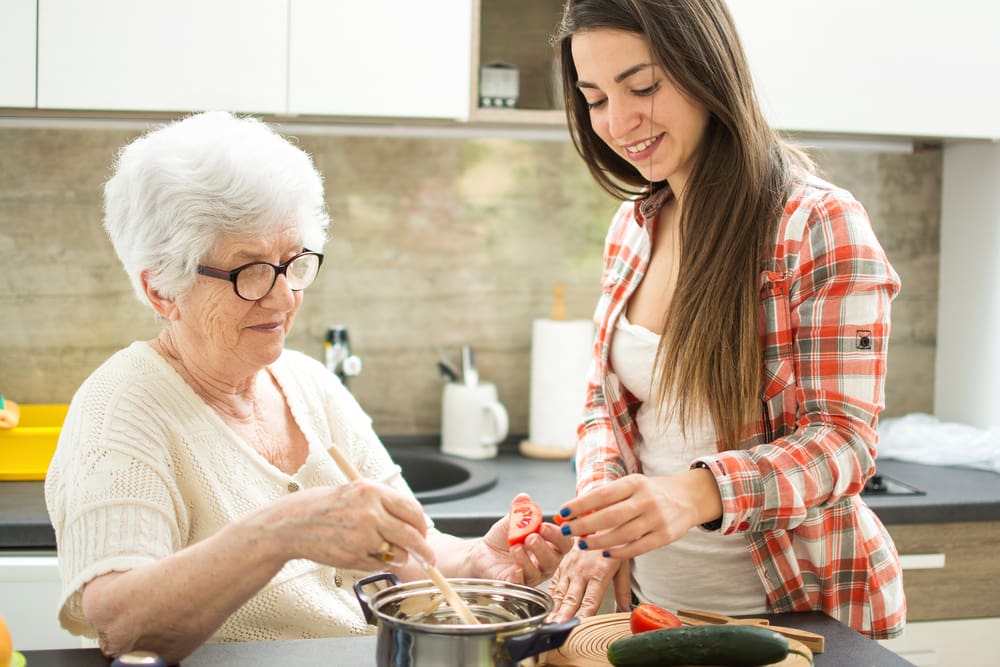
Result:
385,553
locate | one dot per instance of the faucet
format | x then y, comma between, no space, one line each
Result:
337,350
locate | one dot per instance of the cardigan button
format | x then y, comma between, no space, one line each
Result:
293,486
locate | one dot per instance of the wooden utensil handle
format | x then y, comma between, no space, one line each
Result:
814,642
457,603
433,573
700,617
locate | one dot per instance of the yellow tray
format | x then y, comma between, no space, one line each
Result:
26,449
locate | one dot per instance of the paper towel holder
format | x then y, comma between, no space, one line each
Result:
543,447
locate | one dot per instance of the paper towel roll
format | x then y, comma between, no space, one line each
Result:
561,351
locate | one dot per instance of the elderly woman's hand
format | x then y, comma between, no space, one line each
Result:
346,526
531,562
579,585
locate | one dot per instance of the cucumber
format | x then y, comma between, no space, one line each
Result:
735,645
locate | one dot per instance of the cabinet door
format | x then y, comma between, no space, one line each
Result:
969,643
29,601
950,569
17,53
380,58
893,67
162,56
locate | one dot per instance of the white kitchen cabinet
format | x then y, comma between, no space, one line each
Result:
915,68
17,53
183,55
969,642
952,592
29,599
380,58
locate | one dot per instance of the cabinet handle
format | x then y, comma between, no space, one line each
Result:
921,561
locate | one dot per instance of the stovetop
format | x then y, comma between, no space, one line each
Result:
883,485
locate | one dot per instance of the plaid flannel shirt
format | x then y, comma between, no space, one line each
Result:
793,487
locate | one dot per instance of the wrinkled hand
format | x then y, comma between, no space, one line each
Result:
529,563
343,526
578,586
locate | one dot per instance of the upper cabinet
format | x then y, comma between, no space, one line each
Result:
319,57
182,55
908,68
892,67
380,58
17,53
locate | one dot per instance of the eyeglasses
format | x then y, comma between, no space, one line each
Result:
254,281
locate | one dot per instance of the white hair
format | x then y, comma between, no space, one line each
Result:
177,189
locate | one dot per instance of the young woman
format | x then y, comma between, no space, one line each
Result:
740,359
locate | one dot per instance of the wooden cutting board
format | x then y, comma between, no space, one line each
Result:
587,645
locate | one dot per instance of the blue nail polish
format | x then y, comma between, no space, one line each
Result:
565,529
606,554
564,512
583,545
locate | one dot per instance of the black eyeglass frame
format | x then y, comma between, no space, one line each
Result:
279,270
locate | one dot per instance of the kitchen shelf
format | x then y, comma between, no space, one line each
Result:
516,33
550,117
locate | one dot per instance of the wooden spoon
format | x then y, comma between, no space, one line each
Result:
433,573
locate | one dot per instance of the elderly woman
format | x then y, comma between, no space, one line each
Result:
193,493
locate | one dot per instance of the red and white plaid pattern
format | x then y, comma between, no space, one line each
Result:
793,489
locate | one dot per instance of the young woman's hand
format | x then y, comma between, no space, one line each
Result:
637,513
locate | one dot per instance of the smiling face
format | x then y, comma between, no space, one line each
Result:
225,333
635,108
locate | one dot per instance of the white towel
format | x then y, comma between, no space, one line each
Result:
923,438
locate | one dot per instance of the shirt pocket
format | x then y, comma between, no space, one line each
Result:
777,336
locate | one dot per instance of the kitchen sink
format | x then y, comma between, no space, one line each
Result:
436,477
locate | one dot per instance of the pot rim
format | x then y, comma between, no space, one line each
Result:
401,591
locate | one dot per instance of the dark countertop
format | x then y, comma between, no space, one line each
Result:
951,494
844,648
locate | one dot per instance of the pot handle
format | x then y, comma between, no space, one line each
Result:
363,598
546,638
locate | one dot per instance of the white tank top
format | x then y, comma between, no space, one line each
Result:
702,570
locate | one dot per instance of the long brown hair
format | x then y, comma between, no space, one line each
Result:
733,201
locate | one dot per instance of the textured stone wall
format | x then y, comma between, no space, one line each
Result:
437,242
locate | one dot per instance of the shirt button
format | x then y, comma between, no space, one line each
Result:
293,486
743,526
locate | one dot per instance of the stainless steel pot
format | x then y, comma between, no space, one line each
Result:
414,630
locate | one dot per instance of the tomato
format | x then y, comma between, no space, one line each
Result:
650,617
559,519
525,519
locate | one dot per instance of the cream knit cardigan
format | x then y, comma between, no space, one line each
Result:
145,468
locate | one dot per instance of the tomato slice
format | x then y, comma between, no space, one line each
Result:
559,519
525,519
651,617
